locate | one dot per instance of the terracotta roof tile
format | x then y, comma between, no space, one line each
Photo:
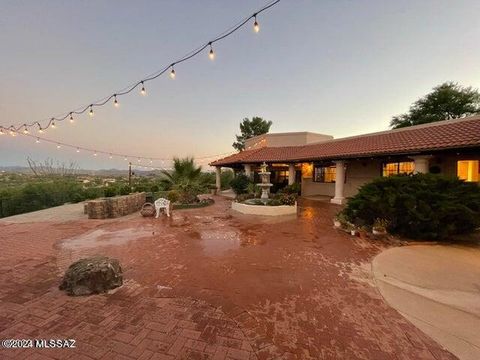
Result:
443,135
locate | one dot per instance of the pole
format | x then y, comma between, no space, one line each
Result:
130,174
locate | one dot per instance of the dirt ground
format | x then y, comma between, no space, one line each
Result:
205,284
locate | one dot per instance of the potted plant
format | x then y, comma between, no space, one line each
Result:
338,220
380,226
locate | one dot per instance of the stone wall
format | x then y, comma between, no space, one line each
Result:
114,207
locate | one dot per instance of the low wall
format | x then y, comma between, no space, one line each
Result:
114,207
264,210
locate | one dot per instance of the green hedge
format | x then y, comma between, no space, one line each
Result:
422,206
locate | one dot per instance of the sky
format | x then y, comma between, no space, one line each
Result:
336,67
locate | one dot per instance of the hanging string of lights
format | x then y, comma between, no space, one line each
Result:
111,155
25,128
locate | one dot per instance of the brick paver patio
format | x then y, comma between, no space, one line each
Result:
204,284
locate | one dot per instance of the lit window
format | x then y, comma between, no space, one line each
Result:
397,168
468,170
325,174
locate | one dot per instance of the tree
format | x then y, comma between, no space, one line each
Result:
447,101
250,128
184,173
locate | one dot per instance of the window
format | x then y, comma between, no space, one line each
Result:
468,170
396,168
281,176
325,174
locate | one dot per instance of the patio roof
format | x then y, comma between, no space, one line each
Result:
441,135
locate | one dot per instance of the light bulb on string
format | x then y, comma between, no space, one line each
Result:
115,102
1,132
172,73
95,153
125,158
59,146
256,27
110,156
25,130
38,140
71,118
13,132
40,130
78,150
91,111
211,53
143,91
53,124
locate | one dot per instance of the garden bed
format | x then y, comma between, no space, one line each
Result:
266,210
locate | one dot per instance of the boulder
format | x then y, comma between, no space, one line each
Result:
92,275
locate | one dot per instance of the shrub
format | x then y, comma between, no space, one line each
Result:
286,199
225,178
173,196
124,190
109,192
295,188
423,206
240,184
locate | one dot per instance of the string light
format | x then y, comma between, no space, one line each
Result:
59,146
95,153
38,140
40,130
71,118
115,102
53,125
157,74
25,131
78,150
256,27
1,132
211,53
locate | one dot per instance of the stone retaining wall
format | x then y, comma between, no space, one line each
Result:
114,207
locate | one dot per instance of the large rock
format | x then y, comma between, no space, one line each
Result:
92,275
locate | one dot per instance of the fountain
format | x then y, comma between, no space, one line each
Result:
264,206
265,184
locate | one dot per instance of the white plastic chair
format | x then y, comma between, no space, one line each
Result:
162,204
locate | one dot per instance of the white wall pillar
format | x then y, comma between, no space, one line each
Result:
339,182
248,169
218,182
291,174
421,164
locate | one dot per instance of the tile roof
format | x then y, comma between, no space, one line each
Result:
442,135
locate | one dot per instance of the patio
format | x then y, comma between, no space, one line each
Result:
205,284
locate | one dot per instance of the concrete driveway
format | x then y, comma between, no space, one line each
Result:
437,288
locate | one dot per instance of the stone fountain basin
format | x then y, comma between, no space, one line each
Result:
266,210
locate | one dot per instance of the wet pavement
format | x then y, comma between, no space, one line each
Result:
205,284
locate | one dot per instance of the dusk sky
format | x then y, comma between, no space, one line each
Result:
335,67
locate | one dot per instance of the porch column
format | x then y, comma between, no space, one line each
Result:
218,183
291,174
339,182
248,169
421,164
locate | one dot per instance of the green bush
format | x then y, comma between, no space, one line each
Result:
173,196
225,178
422,206
240,184
295,188
109,192
124,190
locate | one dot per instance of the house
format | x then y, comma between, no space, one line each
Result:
338,167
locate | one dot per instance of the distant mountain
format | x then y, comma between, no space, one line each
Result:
102,172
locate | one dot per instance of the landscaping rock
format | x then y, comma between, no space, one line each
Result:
92,275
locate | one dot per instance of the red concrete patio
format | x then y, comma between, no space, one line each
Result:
204,284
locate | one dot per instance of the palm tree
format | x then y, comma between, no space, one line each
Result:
185,174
